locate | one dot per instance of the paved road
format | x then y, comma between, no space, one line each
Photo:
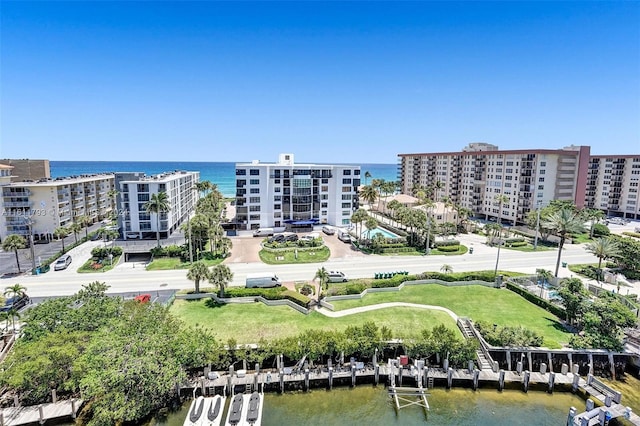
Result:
133,276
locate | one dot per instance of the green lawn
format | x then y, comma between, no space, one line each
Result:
251,322
498,306
164,263
461,250
320,254
106,266
581,238
529,248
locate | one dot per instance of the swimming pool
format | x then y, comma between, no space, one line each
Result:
380,231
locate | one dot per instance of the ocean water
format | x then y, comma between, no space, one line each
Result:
222,174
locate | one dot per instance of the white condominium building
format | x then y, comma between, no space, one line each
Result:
291,195
135,189
612,185
47,204
477,175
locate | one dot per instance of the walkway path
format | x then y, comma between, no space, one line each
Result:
352,311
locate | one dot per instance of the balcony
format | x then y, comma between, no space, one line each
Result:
15,192
19,204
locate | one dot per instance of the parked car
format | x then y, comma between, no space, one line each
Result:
143,298
62,262
278,238
337,277
329,230
16,302
344,237
291,237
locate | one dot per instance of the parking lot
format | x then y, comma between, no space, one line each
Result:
246,247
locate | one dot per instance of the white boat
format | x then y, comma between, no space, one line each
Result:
213,408
196,412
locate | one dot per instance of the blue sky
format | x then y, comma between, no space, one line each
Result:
330,82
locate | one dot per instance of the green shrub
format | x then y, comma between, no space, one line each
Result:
268,293
306,290
514,240
296,298
517,244
355,288
103,252
446,243
632,234
600,230
448,249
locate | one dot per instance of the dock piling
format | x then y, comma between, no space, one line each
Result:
525,380
281,373
519,367
501,380
353,375
576,382
476,378
449,378
543,368
572,415
41,414
496,366
330,378
376,372
589,405
306,379
54,396
552,380
470,366
564,369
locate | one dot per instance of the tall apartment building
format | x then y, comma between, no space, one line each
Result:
287,194
49,203
475,176
135,189
612,185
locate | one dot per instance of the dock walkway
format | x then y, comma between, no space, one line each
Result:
15,416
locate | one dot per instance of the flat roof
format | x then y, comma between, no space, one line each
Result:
161,177
62,180
493,152
296,165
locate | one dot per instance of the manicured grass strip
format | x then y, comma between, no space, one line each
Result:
165,263
496,306
529,248
320,254
249,323
461,250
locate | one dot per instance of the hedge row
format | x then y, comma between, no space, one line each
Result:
448,249
446,243
544,304
168,251
275,293
514,240
403,249
516,244
103,252
632,234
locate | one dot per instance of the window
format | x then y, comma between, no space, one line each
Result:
356,172
346,197
346,172
241,172
143,197
254,181
541,179
254,172
254,191
324,188
325,180
542,171
346,205
254,217
346,212
254,199
346,181
254,208
143,187
543,164
324,205
540,187
346,189
346,221
277,189
277,206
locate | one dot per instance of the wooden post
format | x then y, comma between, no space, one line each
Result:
281,372
353,375
530,361
576,382
476,378
54,397
552,380
449,377
525,381
306,379
73,408
501,380
376,373
543,368
41,414
550,358
330,377
509,360
570,356
572,415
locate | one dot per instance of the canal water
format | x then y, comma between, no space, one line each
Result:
371,406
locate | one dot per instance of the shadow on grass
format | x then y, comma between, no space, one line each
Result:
560,326
212,303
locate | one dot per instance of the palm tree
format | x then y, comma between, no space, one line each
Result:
447,269
563,222
204,186
75,227
84,222
393,206
221,275
501,199
198,271
159,203
60,233
437,186
15,291
107,234
14,242
367,175
369,194
215,234
225,245
603,248
323,276
112,193
358,217
371,223
594,216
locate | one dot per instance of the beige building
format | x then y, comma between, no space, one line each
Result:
612,185
475,176
50,203
28,170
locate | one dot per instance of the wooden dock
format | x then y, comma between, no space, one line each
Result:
40,413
